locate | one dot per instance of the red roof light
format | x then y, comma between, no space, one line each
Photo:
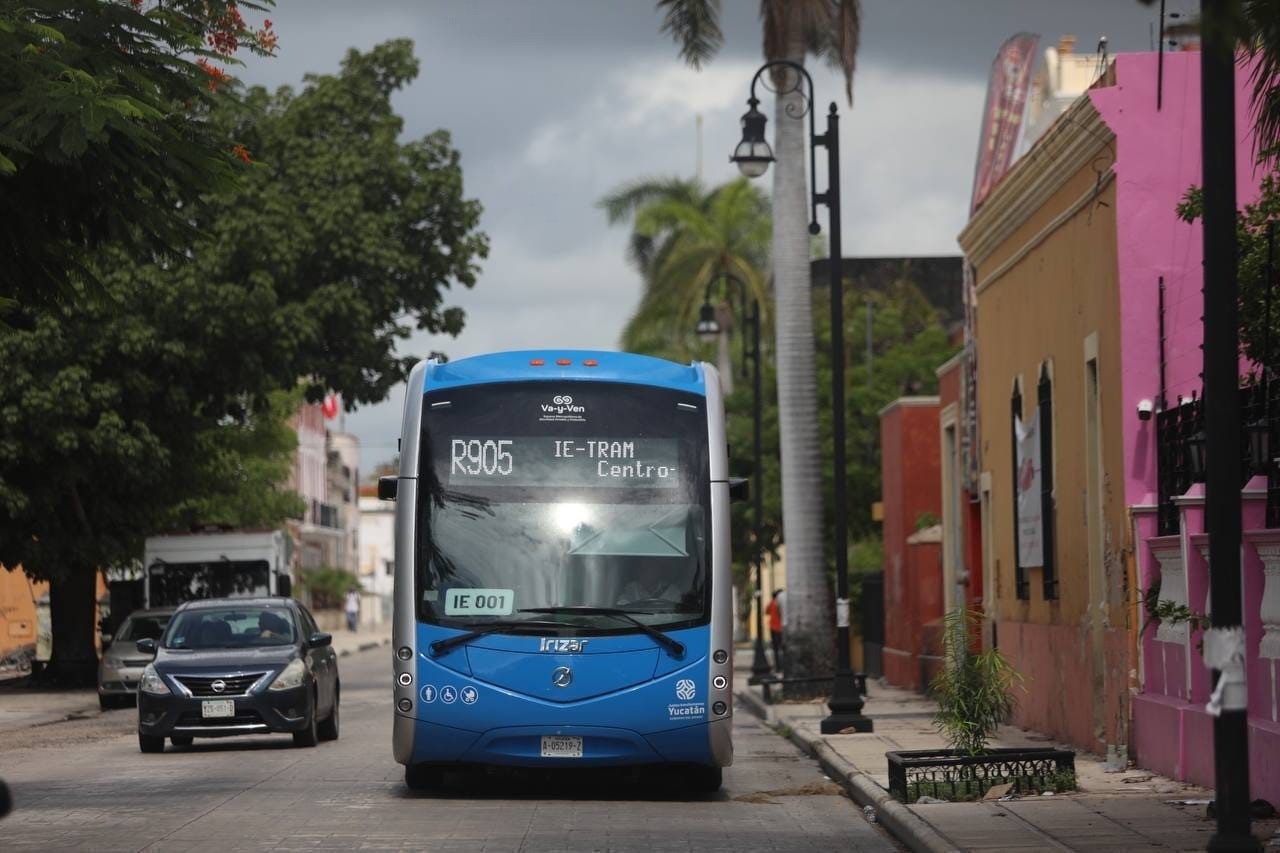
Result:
591,362
536,362
564,362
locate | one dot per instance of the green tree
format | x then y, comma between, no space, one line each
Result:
793,29
244,465
690,237
104,134
1259,334
304,269
340,242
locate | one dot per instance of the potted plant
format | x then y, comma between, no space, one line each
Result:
975,691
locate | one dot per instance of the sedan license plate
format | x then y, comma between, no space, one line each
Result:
218,708
561,746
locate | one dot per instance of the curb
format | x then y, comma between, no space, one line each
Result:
901,822
364,647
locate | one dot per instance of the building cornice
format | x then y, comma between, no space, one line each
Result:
905,402
1078,137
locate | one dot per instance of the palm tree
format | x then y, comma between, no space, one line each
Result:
682,239
792,29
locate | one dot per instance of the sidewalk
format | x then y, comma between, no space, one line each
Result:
1128,810
22,707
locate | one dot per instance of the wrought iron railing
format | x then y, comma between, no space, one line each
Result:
1180,427
944,774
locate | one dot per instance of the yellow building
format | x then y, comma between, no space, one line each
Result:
1043,255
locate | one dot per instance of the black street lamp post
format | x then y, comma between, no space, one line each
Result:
707,329
1224,643
753,157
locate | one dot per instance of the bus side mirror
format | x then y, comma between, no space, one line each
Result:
387,488
284,585
739,489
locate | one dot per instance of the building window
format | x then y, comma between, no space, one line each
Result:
1021,586
1045,400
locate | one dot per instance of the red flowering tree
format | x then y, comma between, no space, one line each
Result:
103,130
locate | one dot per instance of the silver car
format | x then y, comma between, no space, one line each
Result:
122,664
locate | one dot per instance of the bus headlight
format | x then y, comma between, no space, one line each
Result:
405,679
719,708
405,705
291,676
719,682
152,682
404,653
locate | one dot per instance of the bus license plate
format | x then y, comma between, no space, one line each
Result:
218,708
561,746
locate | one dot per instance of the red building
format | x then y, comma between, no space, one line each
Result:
913,598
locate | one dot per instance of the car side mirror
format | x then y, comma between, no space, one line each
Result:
739,489
147,646
387,487
320,639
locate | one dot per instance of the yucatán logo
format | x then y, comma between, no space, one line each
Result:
686,709
562,408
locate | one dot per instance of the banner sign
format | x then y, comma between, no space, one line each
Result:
1002,113
1030,515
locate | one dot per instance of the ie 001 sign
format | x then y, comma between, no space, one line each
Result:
479,602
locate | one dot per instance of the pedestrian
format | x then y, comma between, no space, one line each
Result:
353,608
774,611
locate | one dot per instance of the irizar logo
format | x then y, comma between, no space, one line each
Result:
686,689
557,645
562,404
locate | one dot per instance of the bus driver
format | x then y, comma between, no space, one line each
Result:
650,584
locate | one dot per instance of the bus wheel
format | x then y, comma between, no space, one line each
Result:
421,777
706,780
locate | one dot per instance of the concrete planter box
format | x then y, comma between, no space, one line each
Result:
948,775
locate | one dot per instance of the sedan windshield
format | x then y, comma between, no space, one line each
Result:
229,628
142,628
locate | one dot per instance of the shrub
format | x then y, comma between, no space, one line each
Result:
327,586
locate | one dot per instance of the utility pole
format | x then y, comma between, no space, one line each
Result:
1224,642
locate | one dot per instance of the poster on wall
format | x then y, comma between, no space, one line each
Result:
1030,515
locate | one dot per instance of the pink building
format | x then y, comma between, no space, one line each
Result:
1159,258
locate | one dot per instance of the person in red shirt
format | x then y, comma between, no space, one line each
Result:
774,612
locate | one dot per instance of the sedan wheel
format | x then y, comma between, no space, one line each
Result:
149,743
308,736
328,729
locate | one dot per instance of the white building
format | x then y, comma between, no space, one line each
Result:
377,552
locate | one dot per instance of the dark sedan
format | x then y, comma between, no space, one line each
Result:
238,666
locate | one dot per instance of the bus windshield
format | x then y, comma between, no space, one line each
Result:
534,498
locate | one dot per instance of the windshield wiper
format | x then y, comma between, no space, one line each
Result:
439,647
673,646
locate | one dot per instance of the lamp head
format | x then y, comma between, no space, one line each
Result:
753,154
708,327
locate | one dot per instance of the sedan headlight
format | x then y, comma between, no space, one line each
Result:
152,682
291,676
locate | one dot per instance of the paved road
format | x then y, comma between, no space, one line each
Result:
95,790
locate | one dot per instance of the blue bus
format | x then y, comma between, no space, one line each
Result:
562,576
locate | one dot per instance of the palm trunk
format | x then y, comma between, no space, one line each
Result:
724,358
810,630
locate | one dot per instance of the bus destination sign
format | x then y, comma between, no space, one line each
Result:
572,462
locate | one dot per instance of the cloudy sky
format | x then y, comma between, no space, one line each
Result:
553,103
